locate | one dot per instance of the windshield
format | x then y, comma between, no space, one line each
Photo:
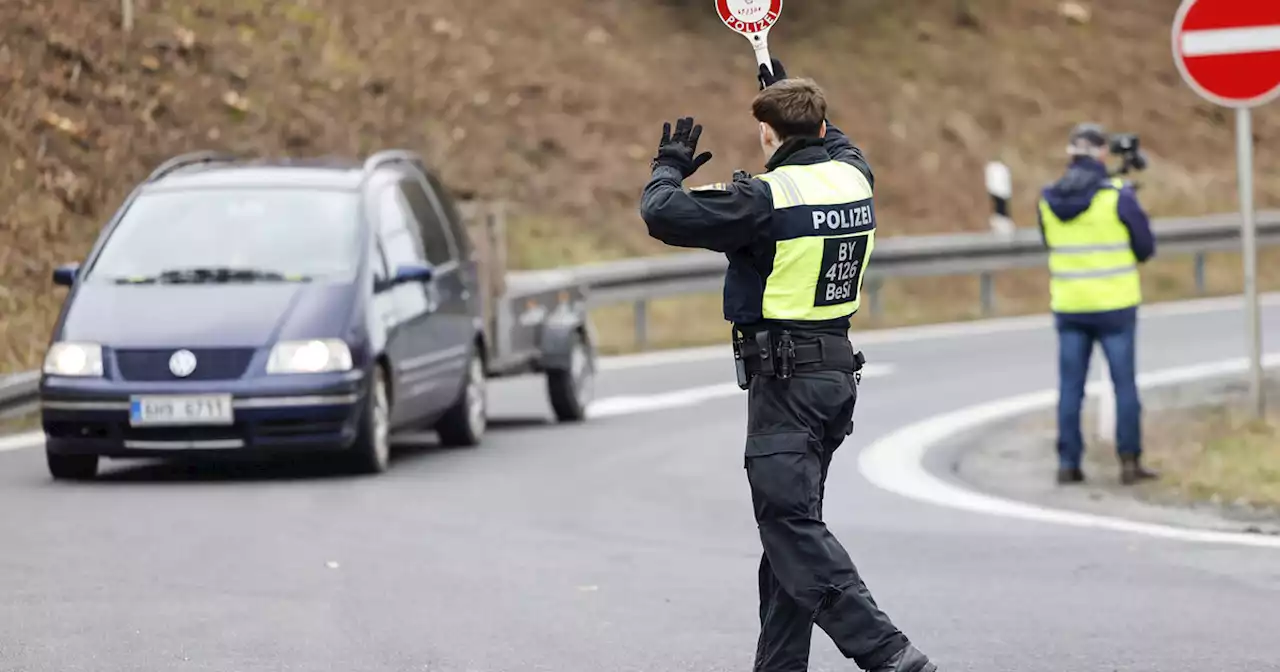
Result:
233,235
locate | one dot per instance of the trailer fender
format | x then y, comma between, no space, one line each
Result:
559,332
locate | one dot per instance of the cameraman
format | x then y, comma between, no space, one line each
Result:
1097,235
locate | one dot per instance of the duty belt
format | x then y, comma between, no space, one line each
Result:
780,356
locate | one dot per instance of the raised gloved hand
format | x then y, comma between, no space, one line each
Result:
767,78
678,150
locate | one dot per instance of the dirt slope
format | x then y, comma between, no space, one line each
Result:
556,106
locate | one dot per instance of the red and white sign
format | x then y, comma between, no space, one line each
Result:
1229,50
749,17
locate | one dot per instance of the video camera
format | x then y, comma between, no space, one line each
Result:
1125,145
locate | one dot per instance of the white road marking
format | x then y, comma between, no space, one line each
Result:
1223,41
667,357
21,441
602,408
934,332
895,462
627,405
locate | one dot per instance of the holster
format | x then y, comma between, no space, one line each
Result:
780,356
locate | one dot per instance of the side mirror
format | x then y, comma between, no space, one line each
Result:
406,273
65,275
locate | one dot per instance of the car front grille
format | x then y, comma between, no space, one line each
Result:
211,364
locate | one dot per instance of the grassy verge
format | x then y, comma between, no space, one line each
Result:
1217,454
18,424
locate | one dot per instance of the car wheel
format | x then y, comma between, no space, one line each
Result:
465,421
373,442
571,390
72,467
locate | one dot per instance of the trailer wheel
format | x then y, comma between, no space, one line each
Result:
571,389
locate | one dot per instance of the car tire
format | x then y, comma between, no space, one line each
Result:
465,421
571,390
373,440
72,467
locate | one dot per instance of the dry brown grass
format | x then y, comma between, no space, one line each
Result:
18,423
1217,453
553,106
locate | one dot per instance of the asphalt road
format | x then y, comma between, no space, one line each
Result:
623,544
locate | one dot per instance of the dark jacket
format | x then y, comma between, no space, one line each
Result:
1072,195
734,218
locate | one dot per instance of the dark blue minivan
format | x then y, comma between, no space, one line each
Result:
268,306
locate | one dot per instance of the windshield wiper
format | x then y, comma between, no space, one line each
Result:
213,274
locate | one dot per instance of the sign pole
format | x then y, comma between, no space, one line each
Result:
1228,51
1244,156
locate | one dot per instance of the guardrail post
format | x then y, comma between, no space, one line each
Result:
987,290
642,323
872,290
1200,273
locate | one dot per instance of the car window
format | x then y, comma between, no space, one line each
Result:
434,236
295,232
451,213
397,230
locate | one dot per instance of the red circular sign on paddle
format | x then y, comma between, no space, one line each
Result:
749,17
1228,51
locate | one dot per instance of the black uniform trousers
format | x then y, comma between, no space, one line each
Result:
794,427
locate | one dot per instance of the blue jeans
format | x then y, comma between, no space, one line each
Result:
1075,347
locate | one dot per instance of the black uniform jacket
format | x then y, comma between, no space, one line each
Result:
735,219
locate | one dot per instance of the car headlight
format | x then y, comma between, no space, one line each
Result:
74,359
317,356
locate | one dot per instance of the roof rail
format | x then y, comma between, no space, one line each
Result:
190,159
384,157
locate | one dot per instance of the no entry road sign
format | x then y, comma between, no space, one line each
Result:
1229,50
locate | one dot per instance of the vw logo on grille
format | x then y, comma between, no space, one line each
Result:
182,363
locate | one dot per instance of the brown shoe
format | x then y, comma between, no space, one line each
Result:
1132,471
1069,475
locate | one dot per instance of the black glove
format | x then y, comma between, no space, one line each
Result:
678,150
767,78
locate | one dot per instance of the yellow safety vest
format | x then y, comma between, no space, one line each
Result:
1092,267
823,231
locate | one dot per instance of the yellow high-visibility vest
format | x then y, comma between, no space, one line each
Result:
824,228
1092,267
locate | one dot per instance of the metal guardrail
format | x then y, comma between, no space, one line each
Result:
640,280
983,254
19,393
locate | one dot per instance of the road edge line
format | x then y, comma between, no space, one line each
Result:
21,441
941,330
895,462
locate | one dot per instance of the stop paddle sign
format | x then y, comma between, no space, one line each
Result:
752,19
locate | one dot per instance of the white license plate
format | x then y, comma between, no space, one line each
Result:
211,409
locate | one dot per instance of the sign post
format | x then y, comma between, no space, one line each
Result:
752,19
1228,51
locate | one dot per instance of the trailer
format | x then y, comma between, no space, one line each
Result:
534,322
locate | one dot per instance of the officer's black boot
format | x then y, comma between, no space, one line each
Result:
908,660
1132,471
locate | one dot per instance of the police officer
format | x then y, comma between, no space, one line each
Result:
1097,234
797,238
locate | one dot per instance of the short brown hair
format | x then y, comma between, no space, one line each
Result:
793,107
